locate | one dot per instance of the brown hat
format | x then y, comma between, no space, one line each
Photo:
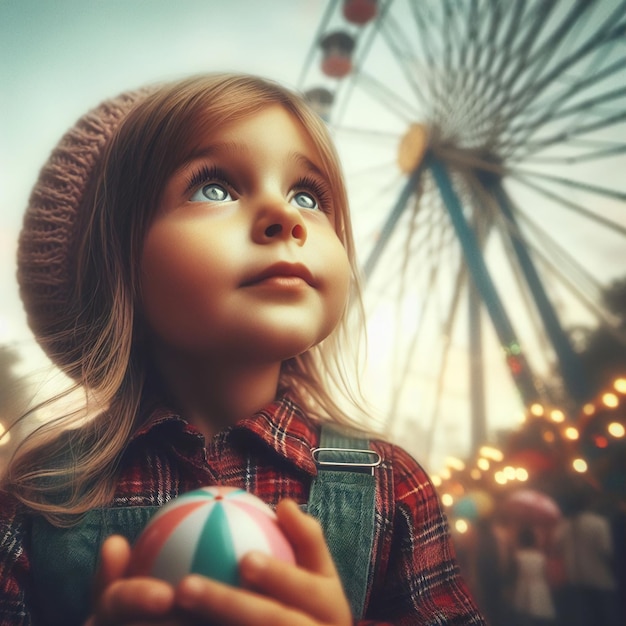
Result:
46,249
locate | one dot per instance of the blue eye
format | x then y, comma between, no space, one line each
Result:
304,200
212,192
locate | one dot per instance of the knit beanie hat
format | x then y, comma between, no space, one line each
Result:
47,243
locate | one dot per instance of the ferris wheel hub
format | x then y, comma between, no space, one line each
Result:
413,146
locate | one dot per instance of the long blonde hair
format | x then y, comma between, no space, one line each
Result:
70,474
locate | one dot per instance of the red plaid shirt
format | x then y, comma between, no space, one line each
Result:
414,577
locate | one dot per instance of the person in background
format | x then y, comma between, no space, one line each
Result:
532,598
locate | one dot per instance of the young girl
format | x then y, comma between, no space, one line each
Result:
187,259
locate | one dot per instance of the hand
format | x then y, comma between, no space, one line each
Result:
277,593
119,600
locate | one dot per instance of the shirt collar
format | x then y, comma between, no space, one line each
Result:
281,425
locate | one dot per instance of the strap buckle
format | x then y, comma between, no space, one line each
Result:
374,458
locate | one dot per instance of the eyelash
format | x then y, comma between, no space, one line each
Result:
207,174
319,190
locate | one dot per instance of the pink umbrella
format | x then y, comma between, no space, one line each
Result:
533,507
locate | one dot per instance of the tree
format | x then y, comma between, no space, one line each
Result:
603,349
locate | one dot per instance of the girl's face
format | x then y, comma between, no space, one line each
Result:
242,261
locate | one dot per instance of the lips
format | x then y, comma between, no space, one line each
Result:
281,270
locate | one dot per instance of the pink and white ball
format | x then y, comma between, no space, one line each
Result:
207,532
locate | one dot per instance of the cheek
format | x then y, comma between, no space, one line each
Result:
339,283
181,277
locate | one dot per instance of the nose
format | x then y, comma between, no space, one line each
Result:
279,221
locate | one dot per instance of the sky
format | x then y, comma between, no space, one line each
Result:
58,59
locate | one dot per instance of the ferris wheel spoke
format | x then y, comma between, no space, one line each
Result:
561,262
312,52
346,86
577,280
515,58
525,95
405,111
470,72
524,147
407,60
568,182
578,208
588,105
391,222
446,341
610,151
431,51
525,78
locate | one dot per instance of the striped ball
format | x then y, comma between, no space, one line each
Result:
206,532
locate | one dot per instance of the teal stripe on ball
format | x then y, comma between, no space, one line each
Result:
215,554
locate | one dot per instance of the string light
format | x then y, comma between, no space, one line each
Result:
461,526
589,409
491,453
455,463
616,429
571,433
579,465
557,416
537,409
610,400
620,385
521,474
447,499
509,472
483,464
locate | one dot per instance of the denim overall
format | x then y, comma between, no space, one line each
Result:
342,498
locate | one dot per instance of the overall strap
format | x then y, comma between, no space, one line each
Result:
343,498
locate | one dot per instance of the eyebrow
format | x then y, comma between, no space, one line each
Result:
306,163
235,149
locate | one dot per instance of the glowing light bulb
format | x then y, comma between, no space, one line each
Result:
447,499
509,472
521,474
616,429
589,409
571,433
491,453
461,526
579,465
536,409
455,463
557,416
610,400
620,385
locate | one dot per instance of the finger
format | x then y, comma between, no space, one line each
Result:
229,606
134,599
307,538
314,594
114,558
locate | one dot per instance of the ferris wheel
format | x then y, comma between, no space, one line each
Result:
484,144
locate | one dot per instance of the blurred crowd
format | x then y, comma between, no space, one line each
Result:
526,570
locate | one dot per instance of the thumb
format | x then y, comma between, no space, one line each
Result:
114,560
